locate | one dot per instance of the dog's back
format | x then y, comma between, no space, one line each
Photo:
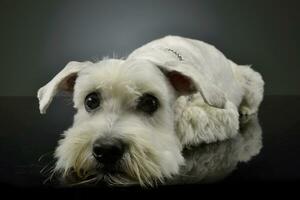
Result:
208,61
241,84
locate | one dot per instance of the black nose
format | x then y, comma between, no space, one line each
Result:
108,151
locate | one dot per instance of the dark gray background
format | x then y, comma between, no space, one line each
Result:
39,37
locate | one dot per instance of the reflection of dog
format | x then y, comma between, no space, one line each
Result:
212,162
134,116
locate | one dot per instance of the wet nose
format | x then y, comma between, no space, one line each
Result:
108,151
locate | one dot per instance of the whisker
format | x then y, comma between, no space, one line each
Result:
50,177
84,181
44,155
48,167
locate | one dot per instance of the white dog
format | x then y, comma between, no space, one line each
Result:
135,115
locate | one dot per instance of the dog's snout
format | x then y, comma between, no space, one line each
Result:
108,151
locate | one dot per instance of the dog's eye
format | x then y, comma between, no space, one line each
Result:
92,101
148,103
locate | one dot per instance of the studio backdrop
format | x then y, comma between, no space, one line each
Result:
39,37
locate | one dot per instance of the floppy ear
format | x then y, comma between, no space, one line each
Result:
186,80
63,81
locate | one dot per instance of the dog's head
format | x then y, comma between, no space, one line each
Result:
123,130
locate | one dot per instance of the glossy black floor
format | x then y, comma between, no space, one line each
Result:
267,150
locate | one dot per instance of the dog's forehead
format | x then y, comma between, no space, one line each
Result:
121,76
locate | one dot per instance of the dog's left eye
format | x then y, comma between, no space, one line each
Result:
92,101
148,103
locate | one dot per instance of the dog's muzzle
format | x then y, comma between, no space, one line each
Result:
108,152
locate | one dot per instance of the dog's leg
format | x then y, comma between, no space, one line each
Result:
253,85
196,122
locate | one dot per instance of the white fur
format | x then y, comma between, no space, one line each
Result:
221,89
213,162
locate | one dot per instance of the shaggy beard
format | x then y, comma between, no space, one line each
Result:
136,167
97,178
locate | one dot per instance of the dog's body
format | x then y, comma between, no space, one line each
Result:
168,94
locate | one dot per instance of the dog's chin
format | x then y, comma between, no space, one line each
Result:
98,176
